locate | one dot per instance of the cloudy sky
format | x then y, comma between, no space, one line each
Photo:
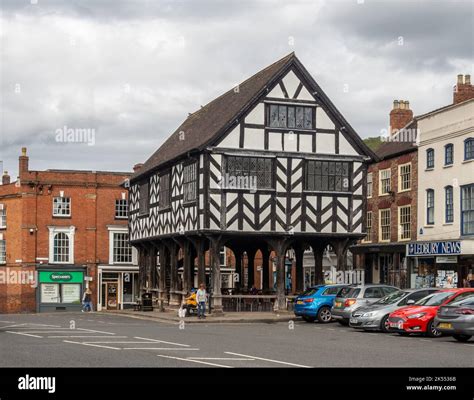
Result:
131,71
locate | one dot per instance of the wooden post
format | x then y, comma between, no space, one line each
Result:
215,247
299,254
175,296
238,267
265,269
280,245
251,267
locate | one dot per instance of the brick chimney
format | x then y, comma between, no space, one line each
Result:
463,90
5,178
23,163
137,167
400,115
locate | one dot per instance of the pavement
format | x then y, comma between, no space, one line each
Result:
117,340
171,315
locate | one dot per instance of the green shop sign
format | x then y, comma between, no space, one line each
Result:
61,277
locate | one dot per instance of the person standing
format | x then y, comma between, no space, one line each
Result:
201,297
87,300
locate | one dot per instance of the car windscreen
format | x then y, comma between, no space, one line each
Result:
310,291
348,292
392,297
434,299
465,302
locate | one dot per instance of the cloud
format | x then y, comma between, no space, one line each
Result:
133,70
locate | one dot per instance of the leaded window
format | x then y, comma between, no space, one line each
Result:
293,117
122,250
165,191
62,206
189,182
327,176
249,173
144,198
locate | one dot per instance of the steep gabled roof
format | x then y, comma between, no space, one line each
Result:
201,128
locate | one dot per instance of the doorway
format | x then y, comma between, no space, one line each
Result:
110,295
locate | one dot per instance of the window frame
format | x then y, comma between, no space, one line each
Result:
3,216
113,230
70,233
3,251
334,176
471,188
121,207
191,183
381,226
430,158
266,175
69,206
368,227
370,183
430,206
401,175
167,205
469,142
294,106
448,149
381,178
401,230
143,205
448,211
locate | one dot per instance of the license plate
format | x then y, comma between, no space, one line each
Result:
445,325
398,325
353,321
338,304
299,302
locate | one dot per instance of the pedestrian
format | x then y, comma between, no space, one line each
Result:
201,297
87,300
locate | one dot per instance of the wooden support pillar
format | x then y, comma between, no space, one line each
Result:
299,254
215,247
238,268
340,247
318,248
175,296
265,269
188,264
164,255
280,246
251,267
201,259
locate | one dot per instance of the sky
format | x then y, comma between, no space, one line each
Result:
123,75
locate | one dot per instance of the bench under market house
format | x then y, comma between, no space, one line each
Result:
270,165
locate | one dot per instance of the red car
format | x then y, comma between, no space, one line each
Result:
419,317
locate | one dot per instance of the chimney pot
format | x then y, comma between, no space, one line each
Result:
467,79
460,79
137,167
400,116
5,178
23,151
395,104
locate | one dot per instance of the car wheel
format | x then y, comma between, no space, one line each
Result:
384,325
462,338
308,319
431,331
324,315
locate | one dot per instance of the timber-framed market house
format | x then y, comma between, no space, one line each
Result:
271,165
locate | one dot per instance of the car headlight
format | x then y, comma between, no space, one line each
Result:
419,315
368,314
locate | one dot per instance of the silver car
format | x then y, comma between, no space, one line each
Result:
375,316
351,298
457,319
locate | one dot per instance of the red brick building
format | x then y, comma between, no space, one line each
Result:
391,205
60,231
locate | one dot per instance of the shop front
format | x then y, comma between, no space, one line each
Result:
60,289
118,287
443,264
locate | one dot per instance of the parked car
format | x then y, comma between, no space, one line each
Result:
457,319
419,318
316,302
375,316
351,298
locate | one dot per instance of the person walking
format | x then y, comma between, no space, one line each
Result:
201,297
87,300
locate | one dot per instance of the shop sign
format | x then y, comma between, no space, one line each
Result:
434,248
61,277
446,260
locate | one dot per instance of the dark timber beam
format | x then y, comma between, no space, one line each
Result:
216,243
265,268
299,255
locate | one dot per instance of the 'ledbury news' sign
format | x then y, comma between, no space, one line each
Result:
434,248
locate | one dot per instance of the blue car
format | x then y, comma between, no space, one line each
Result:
316,302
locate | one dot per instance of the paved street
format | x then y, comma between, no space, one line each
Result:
105,340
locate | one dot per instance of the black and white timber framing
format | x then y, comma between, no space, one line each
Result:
310,167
